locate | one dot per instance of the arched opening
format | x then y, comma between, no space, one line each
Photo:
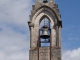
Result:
45,31
45,1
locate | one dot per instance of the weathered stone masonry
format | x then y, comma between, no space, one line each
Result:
51,12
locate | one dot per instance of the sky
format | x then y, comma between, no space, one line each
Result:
14,30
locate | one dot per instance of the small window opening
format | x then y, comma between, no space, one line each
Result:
45,1
45,43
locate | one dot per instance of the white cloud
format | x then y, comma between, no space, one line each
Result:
14,34
13,45
14,56
73,38
15,11
71,54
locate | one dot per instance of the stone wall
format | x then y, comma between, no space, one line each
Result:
55,54
33,54
44,53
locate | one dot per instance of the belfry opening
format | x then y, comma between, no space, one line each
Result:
45,1
45,32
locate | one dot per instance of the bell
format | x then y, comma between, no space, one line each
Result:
45,33
45,1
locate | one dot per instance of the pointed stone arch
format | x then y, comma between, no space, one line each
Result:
38,16
47,9
41,12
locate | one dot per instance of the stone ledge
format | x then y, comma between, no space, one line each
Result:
55,47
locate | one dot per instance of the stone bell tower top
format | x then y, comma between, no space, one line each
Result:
43,4
48,1
41,9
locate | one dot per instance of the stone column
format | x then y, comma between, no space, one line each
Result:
60,37
53,34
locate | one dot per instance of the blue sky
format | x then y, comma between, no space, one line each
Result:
69,11
14,30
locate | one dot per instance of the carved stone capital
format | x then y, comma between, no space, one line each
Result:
30,24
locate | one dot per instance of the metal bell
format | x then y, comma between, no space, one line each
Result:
45,33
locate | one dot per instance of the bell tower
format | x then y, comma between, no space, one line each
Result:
45,38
